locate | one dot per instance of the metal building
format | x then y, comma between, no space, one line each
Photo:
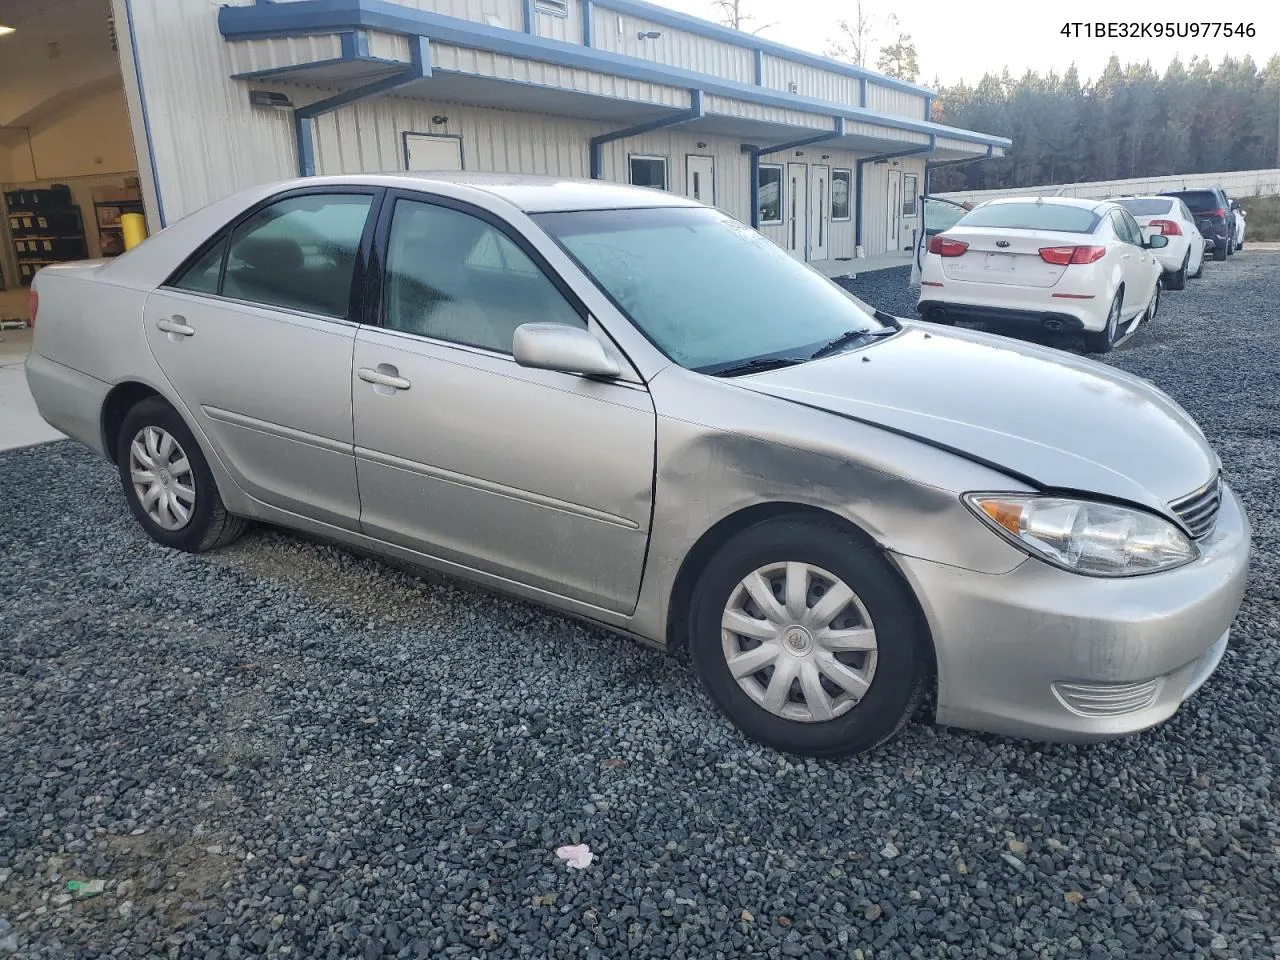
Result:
825,158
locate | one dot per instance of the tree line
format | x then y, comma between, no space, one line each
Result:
1129,122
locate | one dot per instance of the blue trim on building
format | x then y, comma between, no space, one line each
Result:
318,16
419,69
586,22
695,112
146,118
530,16
355,45
928,109
714,31
758,67
862,92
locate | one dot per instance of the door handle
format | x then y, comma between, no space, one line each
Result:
176,325
384,376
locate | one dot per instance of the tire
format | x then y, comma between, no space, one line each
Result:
898,669
191,492
1153,307
1103,341
1199,269
1220,250
1240,245
1178,280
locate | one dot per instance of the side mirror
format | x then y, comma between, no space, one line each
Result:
558,346
1156,242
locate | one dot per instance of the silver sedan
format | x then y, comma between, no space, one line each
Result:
636,410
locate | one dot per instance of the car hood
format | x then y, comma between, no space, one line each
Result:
1052,418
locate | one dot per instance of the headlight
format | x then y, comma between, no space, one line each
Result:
1098,539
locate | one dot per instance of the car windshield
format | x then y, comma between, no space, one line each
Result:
1200,201
1032,215
709,291
1147,206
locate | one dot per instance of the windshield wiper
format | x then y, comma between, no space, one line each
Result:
757,364
848,337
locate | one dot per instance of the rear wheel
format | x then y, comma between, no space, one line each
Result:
1199,268
806,639
1103,342
1178,280
167,481
1220,250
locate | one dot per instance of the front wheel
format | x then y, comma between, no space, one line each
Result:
1153,307
167,481
805,639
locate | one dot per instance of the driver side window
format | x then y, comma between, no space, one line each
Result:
452,276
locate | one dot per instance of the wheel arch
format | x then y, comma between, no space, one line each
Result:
122,398
721,532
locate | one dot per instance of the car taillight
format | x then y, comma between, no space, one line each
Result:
946,247
33,304
1217,212
1167,227
1061,256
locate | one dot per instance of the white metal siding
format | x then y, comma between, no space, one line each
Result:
208,141
755,111
902,138
487,64
961,146
389,46
617,32
367,137
556,27
779,74
899,103
510,12
248,56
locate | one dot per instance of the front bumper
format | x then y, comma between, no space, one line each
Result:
1040,652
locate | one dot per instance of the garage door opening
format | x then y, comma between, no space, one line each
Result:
68,170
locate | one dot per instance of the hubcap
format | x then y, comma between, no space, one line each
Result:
799,642
162,478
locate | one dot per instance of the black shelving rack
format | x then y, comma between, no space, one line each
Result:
46,228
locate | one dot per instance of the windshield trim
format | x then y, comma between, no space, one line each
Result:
802,352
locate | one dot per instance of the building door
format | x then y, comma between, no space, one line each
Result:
426,151
819,211
893,194
797,194
700,179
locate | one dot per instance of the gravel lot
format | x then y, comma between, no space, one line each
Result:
283,749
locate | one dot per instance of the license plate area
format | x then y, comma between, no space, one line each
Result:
1000,262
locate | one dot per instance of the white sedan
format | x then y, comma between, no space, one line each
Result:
1168,216
1057,264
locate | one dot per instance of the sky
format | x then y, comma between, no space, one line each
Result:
961,39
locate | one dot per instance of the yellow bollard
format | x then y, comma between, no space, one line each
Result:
134,227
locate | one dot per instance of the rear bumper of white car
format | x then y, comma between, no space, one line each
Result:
1013,306
1041,652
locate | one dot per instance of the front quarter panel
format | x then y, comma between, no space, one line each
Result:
722,449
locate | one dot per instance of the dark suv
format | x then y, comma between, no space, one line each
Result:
1212,210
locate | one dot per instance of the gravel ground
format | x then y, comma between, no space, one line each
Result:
284,749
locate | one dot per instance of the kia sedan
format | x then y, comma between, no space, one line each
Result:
638,411
1051,264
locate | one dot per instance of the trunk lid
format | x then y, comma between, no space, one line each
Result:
997,255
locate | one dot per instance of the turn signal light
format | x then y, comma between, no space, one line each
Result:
1062,256
946,247
1169,228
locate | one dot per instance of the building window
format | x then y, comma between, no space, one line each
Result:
841,190
769,182
559,8
910,194
648,171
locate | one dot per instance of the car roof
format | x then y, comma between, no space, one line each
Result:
531,194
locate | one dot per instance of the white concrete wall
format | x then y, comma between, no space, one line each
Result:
1239,183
